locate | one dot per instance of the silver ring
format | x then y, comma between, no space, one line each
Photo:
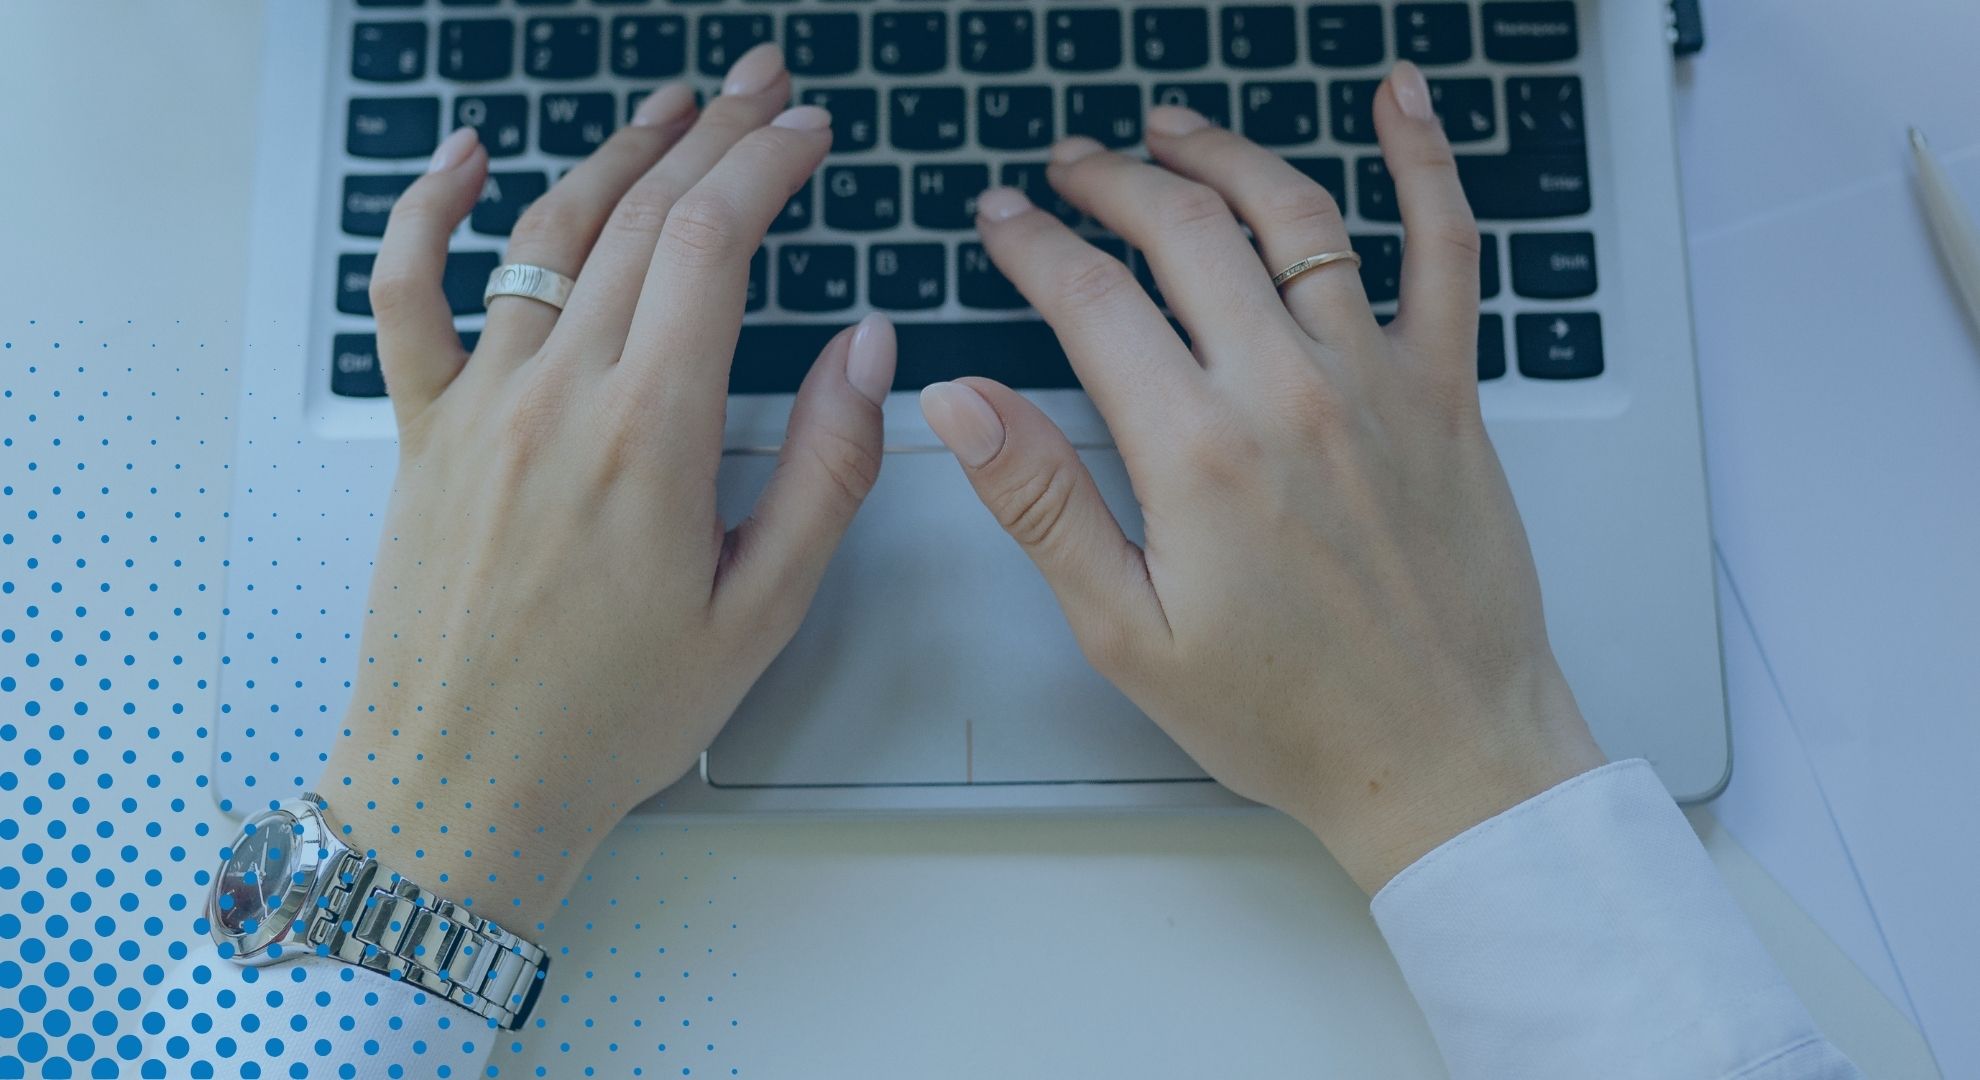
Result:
533,282
1314,262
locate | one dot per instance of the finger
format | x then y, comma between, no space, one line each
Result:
557,230
1291,216
601,307
684,328
1127,355
1032,481
417,347
1208,273
1439,299
830,460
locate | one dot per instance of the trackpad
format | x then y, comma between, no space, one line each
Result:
934,654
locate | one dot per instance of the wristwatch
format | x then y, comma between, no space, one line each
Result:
291,888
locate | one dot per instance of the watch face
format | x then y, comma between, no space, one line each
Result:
261,889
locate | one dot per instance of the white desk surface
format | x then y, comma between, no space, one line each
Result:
1226,944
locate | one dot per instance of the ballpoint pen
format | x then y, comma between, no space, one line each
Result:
1952,229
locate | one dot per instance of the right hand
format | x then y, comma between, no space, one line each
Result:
1336,612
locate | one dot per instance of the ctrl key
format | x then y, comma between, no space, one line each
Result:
1560,346
354,370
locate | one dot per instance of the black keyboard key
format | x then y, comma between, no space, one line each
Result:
469,339
1345,35
1280,113
910,42
1014,117
724,38
1553,266
926,117
1083,39
1212,99
648,46
1381,266
1022,353
855,115
797,213
1375,191
573,125
466,278
1171,38
1351,102
757,294
979,284
1491,347
390,3
997,42
815,277
354,370
1488,266
862,198
945,195
1562,346
502,121
1519,187
822,44
565,47
1328,172
368,202
545,3
393,127
388,51
1544,112
354,284
1530,33
1109,113
477,50
1031,177
504,197
1260,37
1433,33
907,277
1466,107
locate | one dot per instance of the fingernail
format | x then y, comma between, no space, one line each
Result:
669,102
1072,149
965,423
758,68
1001,204
803,118
870,359
1175,121
453,150
1412,93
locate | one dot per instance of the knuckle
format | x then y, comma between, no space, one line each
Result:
644,209
1034,509
1298,210
1190,203
1219,451
851,465
1093,279
1458,232
551,220
701,228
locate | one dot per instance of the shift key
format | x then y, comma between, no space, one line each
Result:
1522,187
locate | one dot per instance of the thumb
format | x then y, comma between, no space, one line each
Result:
1028,475
831,458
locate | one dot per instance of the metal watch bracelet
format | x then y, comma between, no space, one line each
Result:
397,928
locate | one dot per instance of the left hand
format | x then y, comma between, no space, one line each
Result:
559,622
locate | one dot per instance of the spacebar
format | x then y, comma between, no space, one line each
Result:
1021,353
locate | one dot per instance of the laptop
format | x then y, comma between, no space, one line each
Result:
889,698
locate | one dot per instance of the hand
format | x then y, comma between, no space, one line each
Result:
558,622
1336,612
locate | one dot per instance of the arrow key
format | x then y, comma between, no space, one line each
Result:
1559,346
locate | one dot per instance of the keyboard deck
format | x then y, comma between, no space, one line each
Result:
932,102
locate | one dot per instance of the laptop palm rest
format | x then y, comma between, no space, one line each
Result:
934,654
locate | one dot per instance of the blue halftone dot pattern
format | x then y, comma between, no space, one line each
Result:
118,450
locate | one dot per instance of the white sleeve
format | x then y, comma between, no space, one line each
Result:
315,1011
1585,932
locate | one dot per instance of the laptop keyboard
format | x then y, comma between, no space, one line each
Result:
931,103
